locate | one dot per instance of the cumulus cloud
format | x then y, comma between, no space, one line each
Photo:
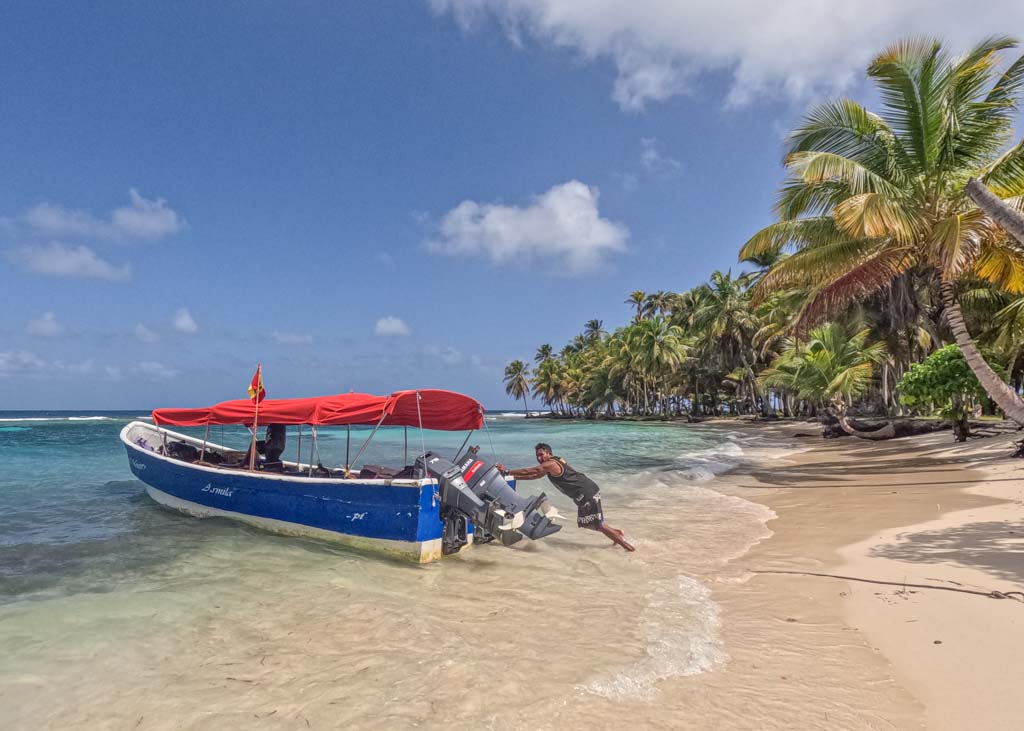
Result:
562,225
291,338
155,371
144,334
793,47
16,362
57,260
391,326
45,326
142,218
184,322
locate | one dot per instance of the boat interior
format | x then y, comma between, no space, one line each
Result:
185,448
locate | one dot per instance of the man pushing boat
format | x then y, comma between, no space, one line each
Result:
576,485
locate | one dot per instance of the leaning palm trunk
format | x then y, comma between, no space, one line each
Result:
996,209
839,407
1005,397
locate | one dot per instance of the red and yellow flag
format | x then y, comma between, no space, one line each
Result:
256,391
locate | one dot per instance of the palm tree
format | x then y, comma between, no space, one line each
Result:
658,348
637,298
658,303
833,368
594,330
547,383
877,200
728,324
544,352
517,383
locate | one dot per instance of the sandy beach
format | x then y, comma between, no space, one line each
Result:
924,530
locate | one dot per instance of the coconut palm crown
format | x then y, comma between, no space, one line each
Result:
872,198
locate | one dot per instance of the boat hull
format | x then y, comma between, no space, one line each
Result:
399,518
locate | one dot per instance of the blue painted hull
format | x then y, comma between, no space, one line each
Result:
396,517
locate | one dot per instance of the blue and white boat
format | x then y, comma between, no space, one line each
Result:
433,508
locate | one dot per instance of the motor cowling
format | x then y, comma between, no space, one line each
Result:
474,489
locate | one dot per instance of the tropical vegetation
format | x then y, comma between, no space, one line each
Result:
898,232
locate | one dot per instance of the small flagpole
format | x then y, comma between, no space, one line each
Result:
256,417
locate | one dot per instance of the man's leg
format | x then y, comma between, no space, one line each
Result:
591,515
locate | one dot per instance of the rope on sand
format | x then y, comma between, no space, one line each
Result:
993,594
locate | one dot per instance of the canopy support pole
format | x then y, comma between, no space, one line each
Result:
206,437
405,458
312,446
298,450
348,446
423,444
464,444
382,417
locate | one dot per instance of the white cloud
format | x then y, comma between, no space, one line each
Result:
82,368
447,355
155,371
562,225
141,219
291,338
184,322
20,361
45,326
391,326
112,373
57,260
653,159
793,47
144,334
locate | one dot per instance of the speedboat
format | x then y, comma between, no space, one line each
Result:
432,508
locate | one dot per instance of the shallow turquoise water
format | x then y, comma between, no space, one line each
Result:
113,608
76,520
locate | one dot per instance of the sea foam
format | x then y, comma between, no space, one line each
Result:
681,626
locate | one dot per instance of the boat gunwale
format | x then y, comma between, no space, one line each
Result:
272,476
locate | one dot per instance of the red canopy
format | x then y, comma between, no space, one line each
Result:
443,410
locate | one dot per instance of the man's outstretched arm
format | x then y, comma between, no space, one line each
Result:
526,473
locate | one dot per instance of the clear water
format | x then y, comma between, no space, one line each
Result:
104,592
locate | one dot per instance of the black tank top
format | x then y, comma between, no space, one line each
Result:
572,483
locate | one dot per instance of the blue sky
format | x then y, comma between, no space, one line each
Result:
373,196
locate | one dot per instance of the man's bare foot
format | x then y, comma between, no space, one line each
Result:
617,537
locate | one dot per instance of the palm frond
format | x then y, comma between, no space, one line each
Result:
1002,265
774,238
908,74
797,198
845,128
955,241
869,276
874,215
826,167
815,266
1005,176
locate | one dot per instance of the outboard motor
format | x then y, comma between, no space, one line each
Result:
475,489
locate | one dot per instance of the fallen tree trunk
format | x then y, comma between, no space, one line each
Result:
901,427
887,431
